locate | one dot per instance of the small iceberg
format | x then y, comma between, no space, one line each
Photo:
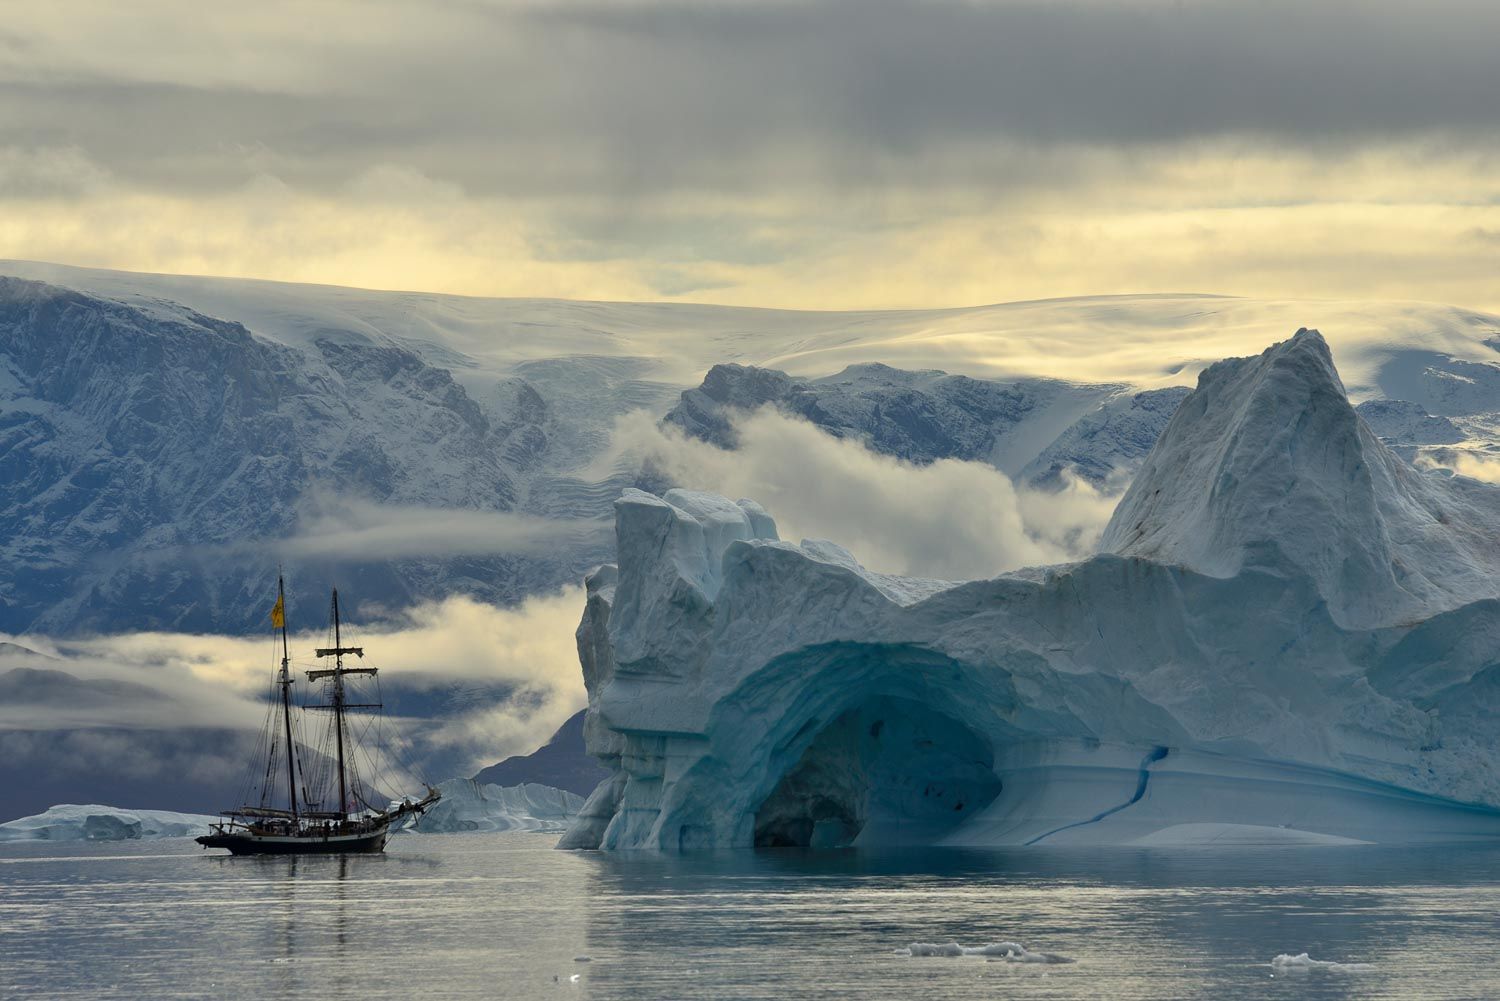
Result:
1303,963
469,806
1009,952
72,822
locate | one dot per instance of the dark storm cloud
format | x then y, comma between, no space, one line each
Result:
671,96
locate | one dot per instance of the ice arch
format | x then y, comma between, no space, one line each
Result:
866,742
887,771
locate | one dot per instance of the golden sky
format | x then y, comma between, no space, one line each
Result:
838,154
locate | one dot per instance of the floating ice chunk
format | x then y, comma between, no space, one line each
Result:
468,806
1010,952
1303,963
70,822
1219,835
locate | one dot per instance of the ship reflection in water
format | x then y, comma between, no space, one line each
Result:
311,905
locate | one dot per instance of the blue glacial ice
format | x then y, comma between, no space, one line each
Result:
1289,638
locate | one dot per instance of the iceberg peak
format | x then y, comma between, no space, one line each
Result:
1267,464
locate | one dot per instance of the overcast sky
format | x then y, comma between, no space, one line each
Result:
831,154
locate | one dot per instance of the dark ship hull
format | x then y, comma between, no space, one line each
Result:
306,843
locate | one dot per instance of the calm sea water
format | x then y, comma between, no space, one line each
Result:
507,916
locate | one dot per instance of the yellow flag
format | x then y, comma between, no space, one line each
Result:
278,614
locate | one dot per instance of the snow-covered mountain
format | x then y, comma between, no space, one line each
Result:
167,440
1396,350
1032,429
1291,637
158,460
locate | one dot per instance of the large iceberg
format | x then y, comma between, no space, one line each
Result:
1290,637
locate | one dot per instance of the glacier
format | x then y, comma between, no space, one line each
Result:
1287,638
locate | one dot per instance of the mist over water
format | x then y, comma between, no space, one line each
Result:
488,916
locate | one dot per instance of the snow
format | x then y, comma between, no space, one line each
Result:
1302,963
68,822
1146,341
1403,423
746,690
469,806
1010,952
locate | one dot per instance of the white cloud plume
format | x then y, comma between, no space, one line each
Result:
207,681
1473,463
950,519
348,528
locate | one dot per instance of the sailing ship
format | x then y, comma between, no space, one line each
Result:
290,815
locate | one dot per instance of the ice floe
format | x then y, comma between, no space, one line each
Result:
70,822
1303,963
469,806
1010,952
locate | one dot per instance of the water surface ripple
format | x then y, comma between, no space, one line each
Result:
506,915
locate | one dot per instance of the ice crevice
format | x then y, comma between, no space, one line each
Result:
1152,756
1302,618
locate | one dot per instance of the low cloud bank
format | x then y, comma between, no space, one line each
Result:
1476,465
197,687
347,528
477,682
950,519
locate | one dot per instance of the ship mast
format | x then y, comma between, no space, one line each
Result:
338,703
286,700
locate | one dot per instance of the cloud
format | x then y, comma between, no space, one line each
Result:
950,519
1389,222
835,154
81,688
213,682
1475,464
354,529
550,96
48,172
